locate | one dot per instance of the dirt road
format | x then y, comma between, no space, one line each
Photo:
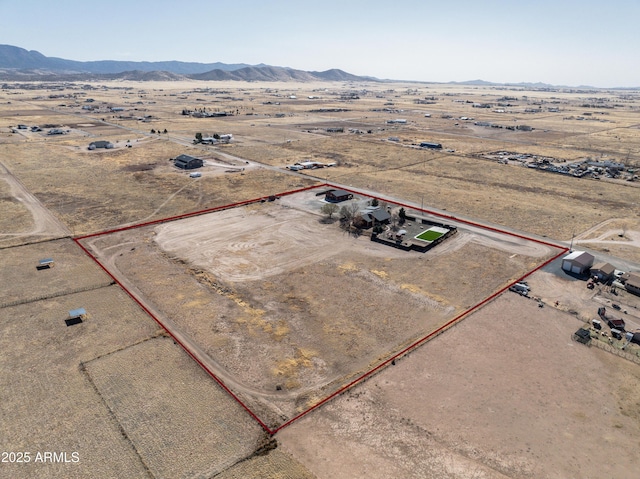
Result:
45,224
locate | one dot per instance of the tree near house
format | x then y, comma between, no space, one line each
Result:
329,209
350,217
402,215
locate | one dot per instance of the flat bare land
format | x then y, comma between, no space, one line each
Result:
47,402
506,393
180,403
285,308
535,201
16,218
277,464
94,192
292,308
71,271
78,389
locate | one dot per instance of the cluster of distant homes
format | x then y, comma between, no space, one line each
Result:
205,114
309,165
35,129
212,140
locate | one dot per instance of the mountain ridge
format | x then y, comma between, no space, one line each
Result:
19,64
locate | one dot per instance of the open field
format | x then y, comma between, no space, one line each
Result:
77,389
16,218
315,305
72,271
586,124
505,394
47,402
183,405
285,307
88,192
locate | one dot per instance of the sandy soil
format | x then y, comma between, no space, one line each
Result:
286,308
41,223
47,403
184,404
617,236
506,393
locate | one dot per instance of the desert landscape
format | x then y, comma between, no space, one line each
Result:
235,326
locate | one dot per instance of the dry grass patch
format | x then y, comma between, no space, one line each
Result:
181,422
47,402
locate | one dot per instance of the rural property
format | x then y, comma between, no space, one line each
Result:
320,280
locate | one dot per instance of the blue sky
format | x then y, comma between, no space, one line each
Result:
564,42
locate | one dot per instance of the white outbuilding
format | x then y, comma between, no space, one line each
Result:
577,262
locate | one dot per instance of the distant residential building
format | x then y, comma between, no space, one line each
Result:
100,144
56,131
187,162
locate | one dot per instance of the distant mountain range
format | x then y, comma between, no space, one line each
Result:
18,64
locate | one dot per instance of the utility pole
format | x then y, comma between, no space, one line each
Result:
571,245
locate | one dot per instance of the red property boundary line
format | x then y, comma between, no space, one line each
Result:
362,377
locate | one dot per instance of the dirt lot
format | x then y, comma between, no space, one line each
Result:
506,393
291,308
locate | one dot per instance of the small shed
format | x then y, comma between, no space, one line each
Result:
187,162
45,264
577,262
582,336
602,271
336,196
76,316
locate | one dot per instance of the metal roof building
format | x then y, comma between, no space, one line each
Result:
603,271
577,262
187,162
